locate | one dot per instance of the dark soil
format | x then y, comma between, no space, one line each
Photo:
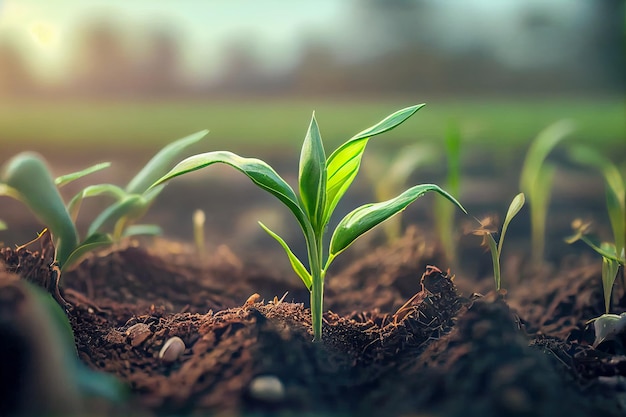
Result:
401,337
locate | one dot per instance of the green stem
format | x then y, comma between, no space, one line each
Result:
317,288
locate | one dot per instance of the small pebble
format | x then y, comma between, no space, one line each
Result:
172,349
138,333
267,388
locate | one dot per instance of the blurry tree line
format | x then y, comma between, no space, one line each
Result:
410,61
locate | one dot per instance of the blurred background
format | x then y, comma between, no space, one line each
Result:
86,81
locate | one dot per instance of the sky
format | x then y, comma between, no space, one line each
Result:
47,29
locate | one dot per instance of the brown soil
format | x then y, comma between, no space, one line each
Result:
400,337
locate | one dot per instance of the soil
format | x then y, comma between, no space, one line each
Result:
402,335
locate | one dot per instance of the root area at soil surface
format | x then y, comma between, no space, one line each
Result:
399,337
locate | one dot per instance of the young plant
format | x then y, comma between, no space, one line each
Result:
606,325
27,178
321,183
536,180
486,231
615,191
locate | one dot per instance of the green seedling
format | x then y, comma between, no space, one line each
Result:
390,178
606,326
321,182
487,230
536,181
611,260
444,213
615,191
27,178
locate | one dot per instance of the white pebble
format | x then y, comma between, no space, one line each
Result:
172,349
267,388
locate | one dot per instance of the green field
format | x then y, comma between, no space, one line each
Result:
260,123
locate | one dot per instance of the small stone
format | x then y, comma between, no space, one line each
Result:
172,349
267,388
138,333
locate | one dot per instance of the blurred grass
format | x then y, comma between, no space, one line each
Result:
260,123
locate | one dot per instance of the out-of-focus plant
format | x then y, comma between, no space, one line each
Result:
488,228
606,325
615,191
536,181
322,182
26,178
54,377
198,220
444,213
390,177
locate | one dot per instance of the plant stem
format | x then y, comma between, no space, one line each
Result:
317,288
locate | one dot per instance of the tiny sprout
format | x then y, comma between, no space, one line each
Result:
199,219
488,226
172,349
322,182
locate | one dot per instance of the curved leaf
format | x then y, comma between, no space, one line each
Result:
91,191
545,141
296,264
67,178
27,174
130,206
514,208
364,218
312,175
95,241
257,170
161,162
343,164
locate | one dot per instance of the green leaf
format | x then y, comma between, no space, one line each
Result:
131,206
161,162
257,170
610,267
368,216
343,164
27,175
93,242
143,229
514,208
312,176
66,179
3,225
91,191
296,264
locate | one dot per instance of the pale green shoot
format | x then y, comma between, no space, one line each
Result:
536,181
611,260
444,214
496,248
321,184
